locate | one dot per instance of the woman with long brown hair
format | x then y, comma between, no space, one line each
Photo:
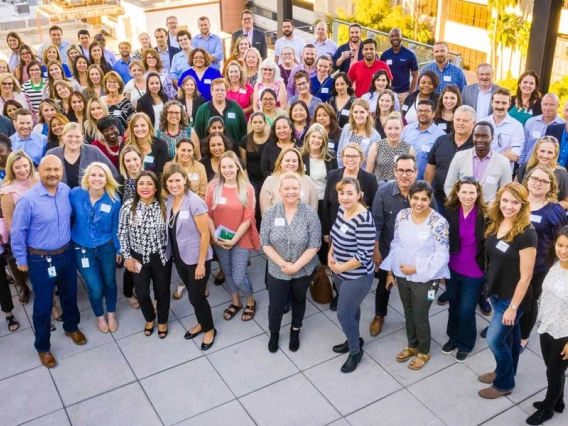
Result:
450,99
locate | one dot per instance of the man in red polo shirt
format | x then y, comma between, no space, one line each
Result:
361,73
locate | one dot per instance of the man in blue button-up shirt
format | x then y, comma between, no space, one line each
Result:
33,144
210,42
41,232
447,73
56,38
121,66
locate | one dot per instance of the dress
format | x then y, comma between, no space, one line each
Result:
386,157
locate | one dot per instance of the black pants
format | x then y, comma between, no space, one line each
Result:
278,294
160,275
196,292
257,186
6,303
555,368
528,319
127,284
324,248
382,295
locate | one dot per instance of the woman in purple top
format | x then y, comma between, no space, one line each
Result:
465,211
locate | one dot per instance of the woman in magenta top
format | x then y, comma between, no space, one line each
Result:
239,90
231,203
466,215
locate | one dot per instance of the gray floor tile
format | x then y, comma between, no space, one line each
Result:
91,373
185,391
218,295
20,314
457,403
398,409
293,401
230,414
228,332
59,418
439,324
557,420
513,416
18,353
125,406
366,385
149,355
249,365
261,317
28,396
531,372
256,273
316,338
384,351
340,422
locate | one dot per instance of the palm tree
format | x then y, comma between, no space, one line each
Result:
498,7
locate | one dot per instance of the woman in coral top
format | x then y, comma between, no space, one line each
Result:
231,203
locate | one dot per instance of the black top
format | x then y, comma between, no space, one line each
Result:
411,99
159,156
196,104
503,272
269,156
446,125
441,156
253,160
206,161
172,227
536,108
72,172
342,114
368,183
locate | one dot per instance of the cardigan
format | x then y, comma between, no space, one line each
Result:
365,144
453,217
329,164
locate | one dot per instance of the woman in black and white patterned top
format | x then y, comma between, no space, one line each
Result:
142,236
351,259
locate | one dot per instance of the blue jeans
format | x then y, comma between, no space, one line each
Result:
99,276
44,286
463,293
505,343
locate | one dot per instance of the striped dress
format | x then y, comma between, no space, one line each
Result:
354,238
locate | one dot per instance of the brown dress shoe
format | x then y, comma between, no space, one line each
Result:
377,325
492,393
77,336
487,378
47,359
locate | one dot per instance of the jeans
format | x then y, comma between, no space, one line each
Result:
161,276
528,319
505,343
414,298
278,291
6,303
196,292
382,295
44,286
555,368
234,263
463,293
99,276
351,295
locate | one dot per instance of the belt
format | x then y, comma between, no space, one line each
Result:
48,252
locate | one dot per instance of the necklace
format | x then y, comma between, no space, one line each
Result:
286,75
109,150
38,87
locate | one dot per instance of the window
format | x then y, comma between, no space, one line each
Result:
471,58
472,14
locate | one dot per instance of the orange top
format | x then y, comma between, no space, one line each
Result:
230,213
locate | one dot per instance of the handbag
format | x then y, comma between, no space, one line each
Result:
320,287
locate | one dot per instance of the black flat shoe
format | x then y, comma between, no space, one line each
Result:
273,342
540,416
558,407
219,281
333,304
207,346
351,363
189,335
343,348
294,340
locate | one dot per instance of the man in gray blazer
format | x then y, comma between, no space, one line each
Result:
255,36
478,95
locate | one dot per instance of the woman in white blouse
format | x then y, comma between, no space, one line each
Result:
418,260
553,330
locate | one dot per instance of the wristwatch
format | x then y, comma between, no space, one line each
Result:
513,307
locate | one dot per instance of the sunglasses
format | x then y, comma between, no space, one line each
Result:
469,179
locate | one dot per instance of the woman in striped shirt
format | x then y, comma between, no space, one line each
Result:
351,259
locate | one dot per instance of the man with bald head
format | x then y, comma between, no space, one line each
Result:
478,95
41,235
535,127
560,132
324,45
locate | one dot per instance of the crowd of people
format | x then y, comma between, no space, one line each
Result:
328,158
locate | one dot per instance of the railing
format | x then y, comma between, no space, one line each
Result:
272,36
422,51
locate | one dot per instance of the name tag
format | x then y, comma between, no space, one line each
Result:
431,295
395,158
536,134
207,81
325,90
105,208
222,200
243,91
230,115
389,61
536,218
405,107
331,145
343,229
194,176
447,78
491,179
365,142
51,272
345,112
279,221
426,148
116,112
423,235
184,214
443,126
85,262
149,159
503,246
301,193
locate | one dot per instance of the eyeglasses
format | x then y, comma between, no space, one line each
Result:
536,180
302,84
267,69
469,179
246,19
268,100
351,157
112,82
174,113
407,172
7,83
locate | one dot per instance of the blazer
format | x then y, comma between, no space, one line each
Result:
171,50
469,96
497,173
146,106
410,99
196,103
329,165
453,217
556,130
89,154
258,41
330,206
187,236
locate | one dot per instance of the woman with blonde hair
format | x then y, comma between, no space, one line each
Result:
190,98
269,78
50,54
143,137
63,90
196,173
237,88
252,60
96,109
10,89
96,208
230,200
240,47
95,87
510,245
73,52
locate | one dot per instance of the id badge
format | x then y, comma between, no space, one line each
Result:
51,272
431,295
85,262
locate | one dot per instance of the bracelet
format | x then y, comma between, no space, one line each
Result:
202,266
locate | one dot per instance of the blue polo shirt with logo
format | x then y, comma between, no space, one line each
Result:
400,64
